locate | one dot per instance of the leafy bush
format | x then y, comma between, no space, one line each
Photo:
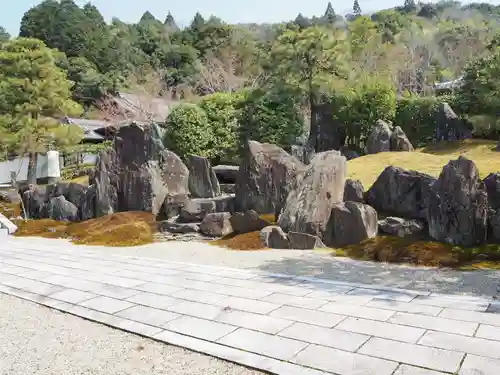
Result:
269,116
188,131
358,108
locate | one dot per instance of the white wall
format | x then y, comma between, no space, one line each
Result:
46,166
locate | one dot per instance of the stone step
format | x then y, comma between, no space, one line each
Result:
8,225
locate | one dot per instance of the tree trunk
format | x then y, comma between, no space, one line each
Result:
314,130
32,168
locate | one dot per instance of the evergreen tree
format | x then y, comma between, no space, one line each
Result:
302,22
147,17
410,6
170,23
4,35
198,22
330,15
356,9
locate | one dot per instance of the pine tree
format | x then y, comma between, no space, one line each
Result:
302,22
330,15
356,9
198,22
170,23
410,6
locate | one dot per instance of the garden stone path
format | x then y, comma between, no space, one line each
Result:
282,324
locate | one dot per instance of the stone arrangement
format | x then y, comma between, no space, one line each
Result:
314,204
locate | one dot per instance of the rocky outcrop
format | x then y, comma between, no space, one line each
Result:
266,176
400,227
303,153
248,221
203,182
216,224
226,174
138,173
354,191
304,241
274,237
458,205
58,208
399,141
350,223
379,139
321,185
449,126
401,193
492,183
178,228
195,210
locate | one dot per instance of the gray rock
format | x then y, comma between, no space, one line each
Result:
203,182
173,205
492,183
60,209
401,193
458,205
354,191
35,202
178,228
348,153
227,188
266,176
399,140
379,139
400,227
273,237
216,224
248,221
303,153
86,210
226,174
304,241
138,173
350,223
448,126
321,185
195,210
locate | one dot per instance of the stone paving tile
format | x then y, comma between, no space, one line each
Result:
434,323
200,328
488,332
108,290
93,315
458,343
147,315
410,370
239,292
461,297
343,363
475,365
8,277
262,343
153,300
198,310
331,337
303,302
381,329
33,286
113,280
382,294
73,296
138,328
35,275
276,288
158,288
404,307
106,304
318,318
357,311
455,303
256,322
340,298
471,316
417,355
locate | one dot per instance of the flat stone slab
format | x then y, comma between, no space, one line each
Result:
281,324
7,224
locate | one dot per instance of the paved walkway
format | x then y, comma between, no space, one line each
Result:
276,323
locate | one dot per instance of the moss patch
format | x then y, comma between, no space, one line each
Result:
10,210
120,229
243,242
428,160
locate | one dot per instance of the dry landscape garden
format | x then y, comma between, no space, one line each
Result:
330,133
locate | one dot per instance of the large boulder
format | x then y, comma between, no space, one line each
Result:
399,140
492,183
304,241
458,205
248,221
400,227
350,223
195,210
226,174
321,185
401,193
449,126
138,173
274,237
302,153
35,202
58,208
379,139
203,182
354,191
216,224
266,176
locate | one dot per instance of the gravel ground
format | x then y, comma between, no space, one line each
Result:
305,263
41,341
